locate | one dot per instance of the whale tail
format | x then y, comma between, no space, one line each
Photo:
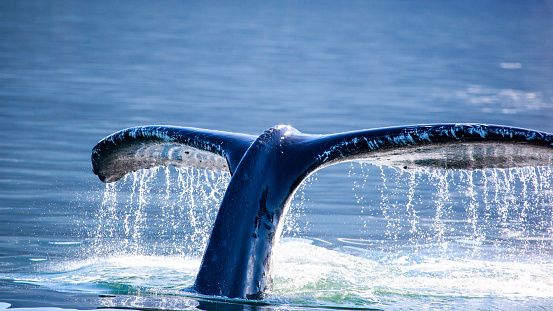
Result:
266,171
459,146
448,146
145,147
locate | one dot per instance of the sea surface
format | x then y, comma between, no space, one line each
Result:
357,236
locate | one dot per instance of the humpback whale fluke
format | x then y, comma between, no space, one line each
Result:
267,170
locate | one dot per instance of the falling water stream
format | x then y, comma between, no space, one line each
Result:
163,211
424,238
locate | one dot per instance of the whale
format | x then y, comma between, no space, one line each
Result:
267,169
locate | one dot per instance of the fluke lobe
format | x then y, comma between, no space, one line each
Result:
266,171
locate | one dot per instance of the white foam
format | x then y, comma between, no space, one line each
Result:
304,270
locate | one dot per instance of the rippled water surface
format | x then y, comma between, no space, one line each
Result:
357,235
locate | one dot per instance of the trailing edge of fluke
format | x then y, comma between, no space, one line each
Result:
266,171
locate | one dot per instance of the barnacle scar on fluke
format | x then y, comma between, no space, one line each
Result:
266,171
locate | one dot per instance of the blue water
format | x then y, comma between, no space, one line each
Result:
357,236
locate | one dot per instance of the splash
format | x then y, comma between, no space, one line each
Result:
428,239
360,278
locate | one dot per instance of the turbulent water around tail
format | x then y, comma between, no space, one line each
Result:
406,238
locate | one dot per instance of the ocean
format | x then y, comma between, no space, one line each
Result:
357,236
